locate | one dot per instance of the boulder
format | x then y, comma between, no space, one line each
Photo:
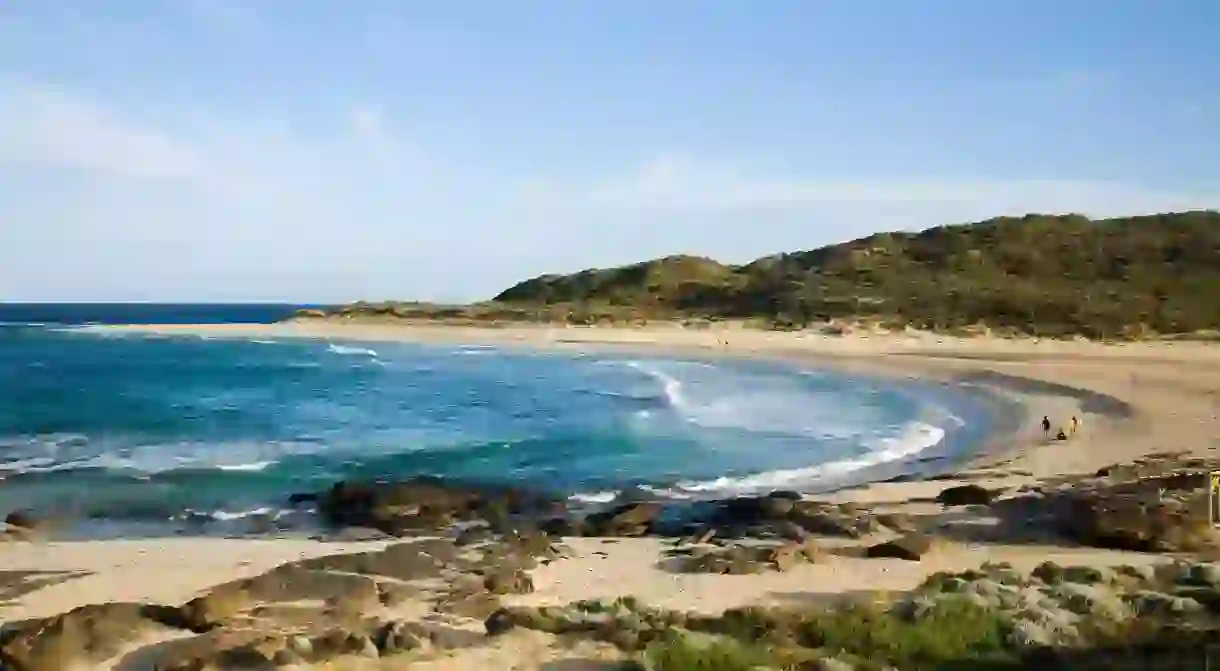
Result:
966,495
911,546
79,639
395,638
22,520
827,520
631,519
509,581
1148,516
427,503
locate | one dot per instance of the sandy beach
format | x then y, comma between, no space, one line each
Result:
1133,399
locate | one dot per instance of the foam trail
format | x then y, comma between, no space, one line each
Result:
594,497
917,438
351,351
672,386
250,467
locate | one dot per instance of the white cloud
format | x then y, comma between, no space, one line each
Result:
672,181
98,201
43,127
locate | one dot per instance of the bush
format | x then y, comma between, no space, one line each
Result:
953,629
685,653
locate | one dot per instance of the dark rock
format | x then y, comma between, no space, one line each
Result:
825,520
562,527
474,536
341,641
1158,514
303,497
395,638
511,581
631,519
21,520
507,619
227,649
912,547
785,557
428,503
966,495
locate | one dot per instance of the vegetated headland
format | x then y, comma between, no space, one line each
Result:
1040,275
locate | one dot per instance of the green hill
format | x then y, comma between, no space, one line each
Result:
1049,275
1037,274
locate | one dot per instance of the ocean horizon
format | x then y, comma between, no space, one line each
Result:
125,433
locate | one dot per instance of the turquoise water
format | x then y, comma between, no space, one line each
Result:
105,426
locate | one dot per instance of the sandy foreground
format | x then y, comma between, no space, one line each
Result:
1133,399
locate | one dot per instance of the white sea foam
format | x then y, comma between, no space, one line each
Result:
351,351
594,497
229,516
54,453
724,398
253,466
915,439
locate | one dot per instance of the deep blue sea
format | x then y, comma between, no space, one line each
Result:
143,431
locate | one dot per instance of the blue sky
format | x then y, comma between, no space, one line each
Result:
320,151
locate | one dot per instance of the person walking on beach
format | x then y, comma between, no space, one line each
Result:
1075,424
1046,426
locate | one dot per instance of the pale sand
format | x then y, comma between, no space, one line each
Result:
1171,389
167,570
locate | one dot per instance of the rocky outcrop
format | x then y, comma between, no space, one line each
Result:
748,559
304,612
427,503
966,495
911,546
631,519
1154,512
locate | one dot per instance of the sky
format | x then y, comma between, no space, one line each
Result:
317,151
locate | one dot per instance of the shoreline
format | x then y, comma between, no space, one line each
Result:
972,365
1000,411
1137,400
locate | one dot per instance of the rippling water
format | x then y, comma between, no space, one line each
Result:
121,426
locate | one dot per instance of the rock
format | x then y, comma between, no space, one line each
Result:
303,497
966,495
897,521
1089,600
1148,603
427,503
1162,514
785,557
506,619
821,519
733,560
702,538
562,527
79,639
1203,575
395,638
631,519
832,664
341,641
911,546
22,520
477,605
511,581
790,530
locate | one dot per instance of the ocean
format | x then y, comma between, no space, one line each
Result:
124,433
